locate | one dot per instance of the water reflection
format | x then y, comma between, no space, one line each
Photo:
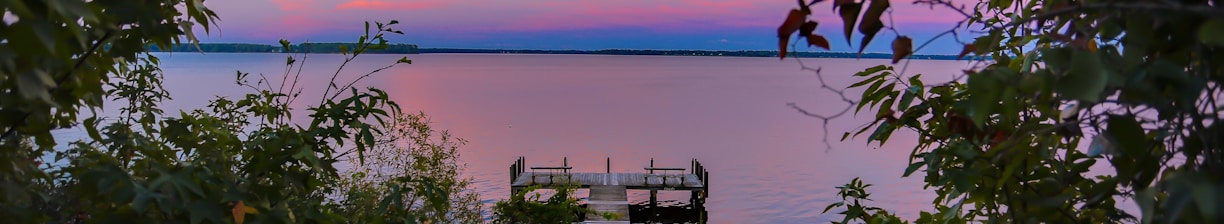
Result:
668,212
768,163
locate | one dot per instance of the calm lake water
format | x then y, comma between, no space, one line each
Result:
767,162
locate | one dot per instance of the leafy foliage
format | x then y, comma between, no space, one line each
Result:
1004,142
853,195
56,57
298,48
238,160
561,207
411,150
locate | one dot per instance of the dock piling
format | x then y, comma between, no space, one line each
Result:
652,164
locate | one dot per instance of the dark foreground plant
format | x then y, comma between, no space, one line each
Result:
237,160
1058,85
561,207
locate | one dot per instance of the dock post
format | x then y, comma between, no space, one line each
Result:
652,165
693,166
706,185
654,203
700,170
609,164
693,198
565,161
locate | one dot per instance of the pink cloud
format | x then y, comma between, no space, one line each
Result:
689,15
301,18
292,27
387,5
291,5
660,15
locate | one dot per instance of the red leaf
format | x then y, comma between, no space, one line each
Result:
793,21
782,47
968,48
807,28
902,47
871,23
817,40
239,212
849,13
806,7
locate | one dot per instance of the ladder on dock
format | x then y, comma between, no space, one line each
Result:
609,199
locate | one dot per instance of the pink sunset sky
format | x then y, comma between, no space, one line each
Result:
558,24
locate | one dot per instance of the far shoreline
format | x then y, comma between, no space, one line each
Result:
332,48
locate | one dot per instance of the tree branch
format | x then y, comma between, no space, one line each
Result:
59,82
1202,10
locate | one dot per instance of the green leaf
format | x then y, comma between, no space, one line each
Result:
865,81
917,81
907,98
404,60
1001,4
91,127
201,210
1085,80
1129,135
367,137
1146,199
867,95
987,43
1212,32
285,46
881,133
873,70
831,206
984,91
913,167
852,213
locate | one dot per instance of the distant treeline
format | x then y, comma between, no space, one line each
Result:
682,53
297,48
412,49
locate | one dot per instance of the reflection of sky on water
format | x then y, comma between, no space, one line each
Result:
767,162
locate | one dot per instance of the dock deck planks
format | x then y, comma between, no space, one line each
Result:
637,181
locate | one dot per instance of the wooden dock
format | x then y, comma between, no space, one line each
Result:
609,191
635,181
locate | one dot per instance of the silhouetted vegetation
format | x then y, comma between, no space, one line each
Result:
757,53
324,48
237,160
331,48
1070,84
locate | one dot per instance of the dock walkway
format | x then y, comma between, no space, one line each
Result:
609,199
